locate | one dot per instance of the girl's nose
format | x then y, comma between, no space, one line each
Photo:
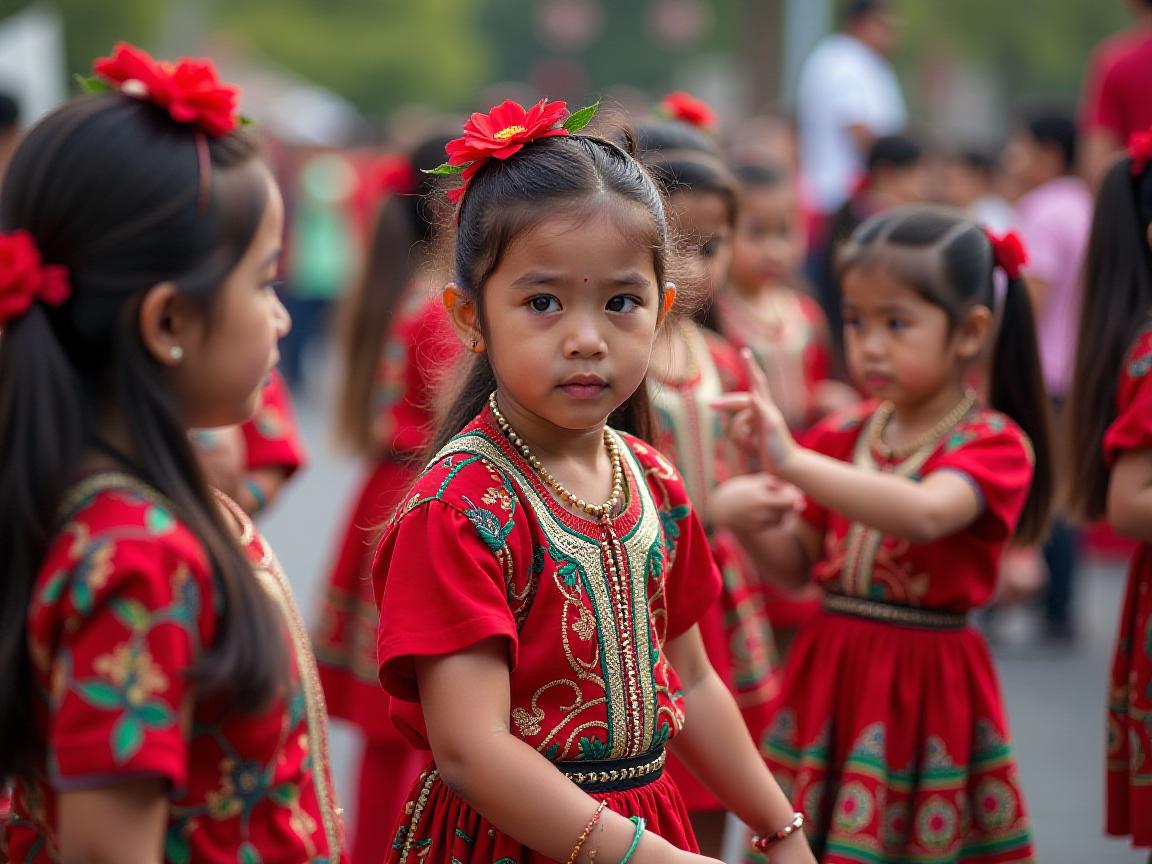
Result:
584,338
282,320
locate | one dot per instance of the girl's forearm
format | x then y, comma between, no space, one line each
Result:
779,554
893,505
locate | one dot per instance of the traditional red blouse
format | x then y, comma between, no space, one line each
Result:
482,549
954,573
124,606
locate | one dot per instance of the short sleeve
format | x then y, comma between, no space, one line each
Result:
130,633
995,457
272,438
439,590
1132,428
1104,108
693,583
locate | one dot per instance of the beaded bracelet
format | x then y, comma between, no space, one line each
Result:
587,830
640,822
761,843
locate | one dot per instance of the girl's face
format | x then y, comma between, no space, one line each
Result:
898,344
228,357
770,237
705,222
570,315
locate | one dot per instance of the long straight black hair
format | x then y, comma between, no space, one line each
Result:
949,261
110,188
1116,307
510,196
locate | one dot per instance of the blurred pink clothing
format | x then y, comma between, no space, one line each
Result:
1054,221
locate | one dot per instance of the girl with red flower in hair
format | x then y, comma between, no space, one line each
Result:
1111,432
161,698
396,343
891,733
540,585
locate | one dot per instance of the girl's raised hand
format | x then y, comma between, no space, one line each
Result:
757,424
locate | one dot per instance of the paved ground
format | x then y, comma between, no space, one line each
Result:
1055,697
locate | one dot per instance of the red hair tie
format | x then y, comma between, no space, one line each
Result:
688,109
24,278
1009,252
503,132
189,90
1140,151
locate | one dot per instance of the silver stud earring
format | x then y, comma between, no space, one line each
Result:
176,353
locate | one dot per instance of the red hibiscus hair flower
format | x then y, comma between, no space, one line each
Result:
24,278
503,132
190,90
688,109
1140,151
1009,252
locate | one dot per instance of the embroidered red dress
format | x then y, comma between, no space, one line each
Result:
891,736
482,549
1129,786
735,629
125,605
416,352
271,438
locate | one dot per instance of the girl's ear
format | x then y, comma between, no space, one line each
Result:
972,332
169,324
465,317
667,301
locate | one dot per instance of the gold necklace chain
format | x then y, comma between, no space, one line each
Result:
884,415
597,511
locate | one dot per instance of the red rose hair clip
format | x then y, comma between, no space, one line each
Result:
189,90
1009,253
25,279
503,132
1140,151
688,109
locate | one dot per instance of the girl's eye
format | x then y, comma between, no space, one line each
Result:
544,303
622,303
709,249
276,285
897,324
851,321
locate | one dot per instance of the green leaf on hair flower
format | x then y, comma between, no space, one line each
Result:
577,120
444,170
92,84
155,715
244,120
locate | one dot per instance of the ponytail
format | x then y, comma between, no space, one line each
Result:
1017,389
42,431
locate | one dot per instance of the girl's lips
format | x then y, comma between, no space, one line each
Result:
583,390
875,380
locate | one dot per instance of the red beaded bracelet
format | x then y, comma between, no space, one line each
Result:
761,843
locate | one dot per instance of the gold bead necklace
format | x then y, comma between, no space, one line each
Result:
883,415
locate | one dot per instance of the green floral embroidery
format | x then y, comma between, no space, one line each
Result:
656,559
593,748
488,526
662,734
568,569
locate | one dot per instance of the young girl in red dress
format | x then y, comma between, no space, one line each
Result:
396,342
541,584
1111,433
692,365
161,700
892,734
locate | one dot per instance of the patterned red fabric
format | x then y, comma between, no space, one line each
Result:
481,549
124,606
272,438
735,630
893,740
1129,785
